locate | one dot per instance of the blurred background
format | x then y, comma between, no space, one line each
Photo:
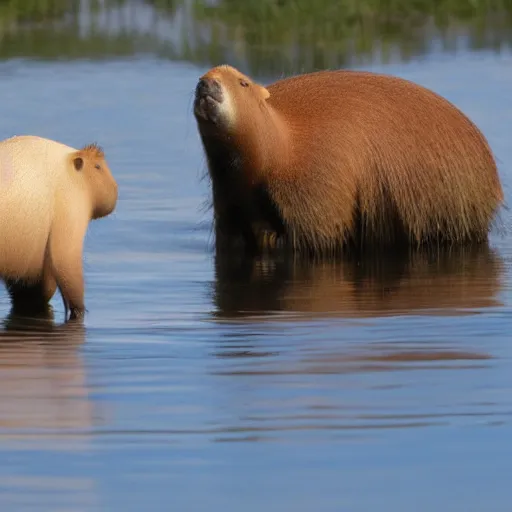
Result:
199,382
264,37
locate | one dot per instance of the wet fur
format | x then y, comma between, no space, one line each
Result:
49,253
340,159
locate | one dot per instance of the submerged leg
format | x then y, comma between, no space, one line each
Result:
28,298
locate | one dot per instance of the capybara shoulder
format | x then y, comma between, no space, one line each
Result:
331,159
49,192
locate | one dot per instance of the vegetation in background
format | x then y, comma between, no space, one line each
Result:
327,33
336,17
32,10
258,36
163,4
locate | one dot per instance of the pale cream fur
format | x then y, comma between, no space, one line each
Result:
46,205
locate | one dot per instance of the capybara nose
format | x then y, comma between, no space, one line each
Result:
209,87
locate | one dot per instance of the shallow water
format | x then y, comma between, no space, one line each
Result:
238,385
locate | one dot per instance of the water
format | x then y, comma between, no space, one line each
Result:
235,385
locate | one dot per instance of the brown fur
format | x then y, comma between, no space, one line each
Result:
335,158
46,241
93,150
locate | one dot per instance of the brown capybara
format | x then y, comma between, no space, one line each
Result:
336,159
49,192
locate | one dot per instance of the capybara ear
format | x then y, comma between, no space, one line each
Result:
78,162
265,93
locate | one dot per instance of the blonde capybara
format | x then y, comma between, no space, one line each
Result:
338,159
49,192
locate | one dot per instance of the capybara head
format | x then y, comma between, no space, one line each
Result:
90,162
224,95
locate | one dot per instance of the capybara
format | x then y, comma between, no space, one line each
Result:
337,159
49,192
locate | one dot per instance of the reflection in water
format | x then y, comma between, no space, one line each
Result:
449,282
44,407
42,379
285,371
47,493
261,37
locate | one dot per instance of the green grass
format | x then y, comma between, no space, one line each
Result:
276,21
286,34
32,10
271,36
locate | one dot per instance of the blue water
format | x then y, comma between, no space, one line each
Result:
258,386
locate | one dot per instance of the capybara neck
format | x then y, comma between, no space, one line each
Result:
332,160
243,207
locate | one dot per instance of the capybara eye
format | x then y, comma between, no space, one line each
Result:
243,83
98,166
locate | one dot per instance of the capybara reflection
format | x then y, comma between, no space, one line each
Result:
49,192
334,160
42,377
452,282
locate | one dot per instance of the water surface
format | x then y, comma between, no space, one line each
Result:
204,383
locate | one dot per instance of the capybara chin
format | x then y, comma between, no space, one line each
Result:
337,159
49,193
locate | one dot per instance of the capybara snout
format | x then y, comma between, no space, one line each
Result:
208,96
209,87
